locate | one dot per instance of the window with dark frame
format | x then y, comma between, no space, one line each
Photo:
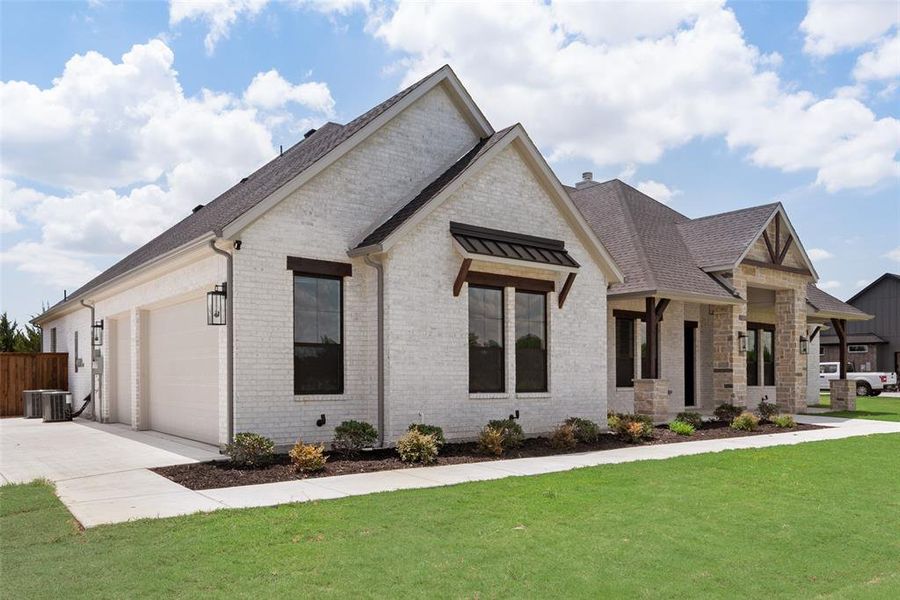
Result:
53,339
624,352
486,351
531,341
752,357
768,356
318,334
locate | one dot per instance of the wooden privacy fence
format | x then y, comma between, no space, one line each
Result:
24,371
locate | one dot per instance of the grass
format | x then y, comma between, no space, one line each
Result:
880,408
813,520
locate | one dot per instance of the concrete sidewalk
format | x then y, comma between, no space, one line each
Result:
137,494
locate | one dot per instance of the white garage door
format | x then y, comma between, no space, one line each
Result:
121,348
182,361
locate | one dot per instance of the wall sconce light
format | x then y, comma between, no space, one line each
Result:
215,305
97,333
742,342
804,345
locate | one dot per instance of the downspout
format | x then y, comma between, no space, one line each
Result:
229,332
379,268
93,378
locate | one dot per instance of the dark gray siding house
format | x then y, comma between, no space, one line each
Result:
876,343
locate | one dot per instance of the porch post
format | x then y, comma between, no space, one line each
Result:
729,363
652,338
790,365
842,391
651,395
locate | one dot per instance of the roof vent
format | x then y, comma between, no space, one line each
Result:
308,133
244,179
587,176
196,208
587,179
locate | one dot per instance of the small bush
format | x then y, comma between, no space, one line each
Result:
490,441
613,421
632,428
784,421
564,437
586,431
250,450
434,430
727,412
308,458
682,428
513,436
746,421
766,411
352,436
693,418
417,447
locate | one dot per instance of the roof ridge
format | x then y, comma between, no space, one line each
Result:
638,244
649,197
731,212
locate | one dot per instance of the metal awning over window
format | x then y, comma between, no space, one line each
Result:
486,244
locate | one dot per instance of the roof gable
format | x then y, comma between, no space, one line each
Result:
873,285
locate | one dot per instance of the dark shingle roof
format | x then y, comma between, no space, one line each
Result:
825,302
392,223
509,245
721,239
644,239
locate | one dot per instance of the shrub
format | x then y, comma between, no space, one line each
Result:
434,430
513,436
352,436
693,418
250,450
682,428
418,447
586,431
746,421
308,458
727,412
784,421
613,421
490,441
564,437
632,428
767,410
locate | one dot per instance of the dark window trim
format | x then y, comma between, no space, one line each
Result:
340,389
765,326
753,332
629,384
502,389
53,339
546,386
315,267
494,280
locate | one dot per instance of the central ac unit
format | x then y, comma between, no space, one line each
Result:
33,403
57,406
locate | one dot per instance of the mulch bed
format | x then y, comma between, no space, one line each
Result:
219,474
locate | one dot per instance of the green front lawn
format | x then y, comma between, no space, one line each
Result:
818,519
880,408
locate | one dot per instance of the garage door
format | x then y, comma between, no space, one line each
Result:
182,363
121,349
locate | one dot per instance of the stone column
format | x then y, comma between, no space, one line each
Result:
729,363
843,394
790,365
651,398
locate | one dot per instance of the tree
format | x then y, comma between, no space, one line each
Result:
8,332
28,339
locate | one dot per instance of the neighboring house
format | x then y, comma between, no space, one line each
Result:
416,265
872,345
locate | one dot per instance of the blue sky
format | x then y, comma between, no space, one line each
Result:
117,118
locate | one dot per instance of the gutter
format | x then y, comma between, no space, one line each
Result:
94,398
229,332
379,268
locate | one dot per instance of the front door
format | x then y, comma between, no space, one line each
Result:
690,346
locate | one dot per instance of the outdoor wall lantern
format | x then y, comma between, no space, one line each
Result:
215,305
804,345
742,342
97,333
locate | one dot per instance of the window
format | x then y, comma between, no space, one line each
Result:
821,349
857,348
318,335
486,355
76,352
828,369
752,357
768,356
531,342
53,340
624,352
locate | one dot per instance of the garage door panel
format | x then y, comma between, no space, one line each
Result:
183,372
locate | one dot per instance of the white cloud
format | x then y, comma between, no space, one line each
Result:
894,254
862,283
584,93
127,155
657,191
819,254
270,90
881,63
831,26
831,284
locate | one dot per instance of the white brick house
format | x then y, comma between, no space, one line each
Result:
415,265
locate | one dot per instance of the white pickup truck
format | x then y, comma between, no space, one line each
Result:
867,384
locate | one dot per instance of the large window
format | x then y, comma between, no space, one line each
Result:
624,352
752,357
318,335
531,342
760,353
768,356
486,357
